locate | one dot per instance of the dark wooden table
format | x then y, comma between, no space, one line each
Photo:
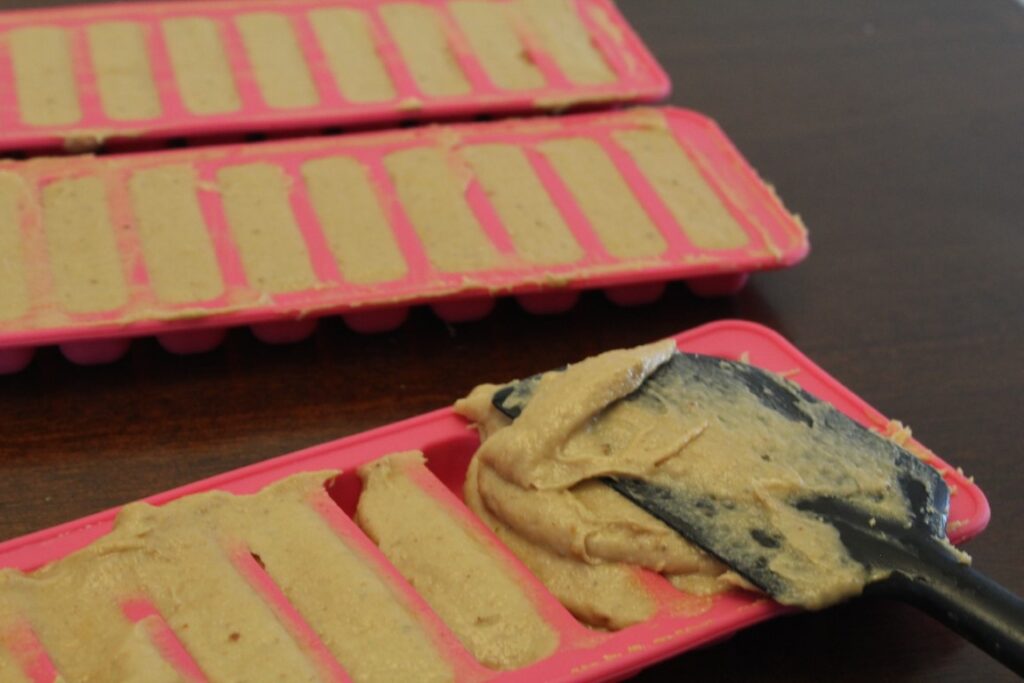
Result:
896,129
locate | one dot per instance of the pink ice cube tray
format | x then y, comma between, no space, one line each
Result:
583,654
74,78
128,273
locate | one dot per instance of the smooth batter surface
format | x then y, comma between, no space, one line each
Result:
431,184
490,28
575,428
346,38
277,60
201,67
527,211
611,208
462,579
350,214
260,216
420,36
179,253
565,37
187,559
123,72
14,300
44,77
681,186
87,272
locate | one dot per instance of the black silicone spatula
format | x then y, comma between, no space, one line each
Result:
911,562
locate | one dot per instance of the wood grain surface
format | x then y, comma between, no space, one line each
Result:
896,129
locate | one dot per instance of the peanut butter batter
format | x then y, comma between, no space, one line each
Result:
258,209
196,561
277,60
14,300
537,474
87,271
469,587
123,73
44,76
421,38
180,258
346,38
490,28
565,37
353,220
615,214
201,67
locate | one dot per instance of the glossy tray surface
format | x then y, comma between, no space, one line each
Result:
583,655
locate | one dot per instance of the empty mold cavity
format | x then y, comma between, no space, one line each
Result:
448,459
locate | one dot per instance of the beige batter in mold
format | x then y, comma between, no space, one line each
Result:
201,67
351,216
610,206
346,39
44,77
86,265
470,588
566,39
421,39
179,253
181,558
675,177
14,297
527,211
431,186
277,60
269,242
490,28
123,72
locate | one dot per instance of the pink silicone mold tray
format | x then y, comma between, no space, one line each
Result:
75,77
183,244
583,654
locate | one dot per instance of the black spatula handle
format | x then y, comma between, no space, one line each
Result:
966,601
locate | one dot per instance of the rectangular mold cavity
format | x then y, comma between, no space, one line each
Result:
76,78
266,240
582,655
